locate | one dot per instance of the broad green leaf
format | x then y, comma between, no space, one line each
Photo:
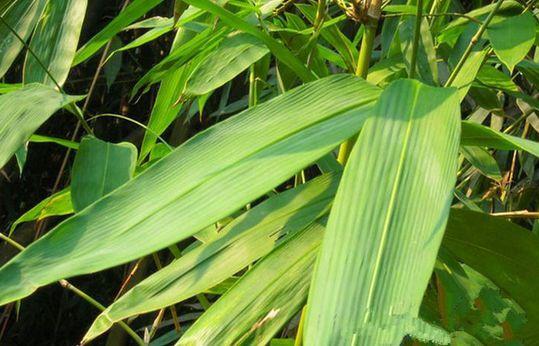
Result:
264,299
99,168
378,253
247,238
479,135
502,251
507,8
56,205
482,160
277,48
7,88
23,111
512,37
235,54
21,16
198,184
55,41
132,12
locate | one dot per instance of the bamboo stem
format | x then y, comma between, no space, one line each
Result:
415,46
362,69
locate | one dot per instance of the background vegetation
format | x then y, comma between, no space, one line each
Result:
269,172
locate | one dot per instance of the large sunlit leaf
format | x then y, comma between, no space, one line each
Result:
55,41
512,37
235,54
99,168
240,243
132,12
198,184
23,111
21,16
387,221
254,309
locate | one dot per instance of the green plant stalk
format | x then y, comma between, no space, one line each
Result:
299,335
65,284
472,43
78,112
362,69
415,46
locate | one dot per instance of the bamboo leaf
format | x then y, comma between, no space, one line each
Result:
530,69
132,12
55,41
99,168
246,239
427,67
512,37
277,48
56,205
21,16
235,54
502,251
378,254
479,135
483,161
265,298
305,124
23,111
60,141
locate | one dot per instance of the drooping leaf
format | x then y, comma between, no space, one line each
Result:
530,69
476,134
209,170
235,54
21,16
378,254
99,168
56,205
55,41
512,37
60,141
132,12
247,238
265,298
113,65
23,111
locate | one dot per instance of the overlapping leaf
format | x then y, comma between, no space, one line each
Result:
387,221
198,184
23,111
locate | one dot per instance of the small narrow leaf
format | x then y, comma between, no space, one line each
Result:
132,12
512,37
55,205
99,168
378,254
23,111
235,54
483,161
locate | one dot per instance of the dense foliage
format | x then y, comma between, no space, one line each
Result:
269,172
